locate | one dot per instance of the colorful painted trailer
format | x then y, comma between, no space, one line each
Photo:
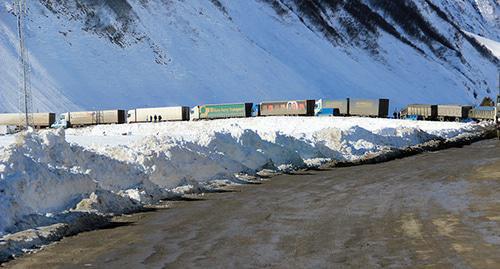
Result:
288,108
39,120
369,107
158,114
332,107
222,111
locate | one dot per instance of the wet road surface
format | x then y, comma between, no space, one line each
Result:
433,210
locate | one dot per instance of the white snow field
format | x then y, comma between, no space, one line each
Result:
46,177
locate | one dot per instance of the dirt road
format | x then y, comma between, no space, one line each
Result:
434,210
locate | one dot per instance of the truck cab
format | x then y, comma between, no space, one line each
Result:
61,121
321,111
255,110
7,129
131,116
194,113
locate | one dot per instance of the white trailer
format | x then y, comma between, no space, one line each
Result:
420,112
158,114
453,112
40,120
483,113
85,118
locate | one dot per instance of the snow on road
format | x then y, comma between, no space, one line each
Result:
48,176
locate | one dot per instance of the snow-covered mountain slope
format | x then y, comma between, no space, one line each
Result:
492,45
133,53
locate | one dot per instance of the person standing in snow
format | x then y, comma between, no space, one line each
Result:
159,118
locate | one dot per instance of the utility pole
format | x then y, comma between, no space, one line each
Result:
25,100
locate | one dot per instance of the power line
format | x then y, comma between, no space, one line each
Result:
25,99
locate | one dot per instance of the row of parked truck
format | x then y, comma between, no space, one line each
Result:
354,107
343,107
449,112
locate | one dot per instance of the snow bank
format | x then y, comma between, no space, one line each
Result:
42,174
49,176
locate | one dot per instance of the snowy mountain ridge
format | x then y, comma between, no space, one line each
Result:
100,54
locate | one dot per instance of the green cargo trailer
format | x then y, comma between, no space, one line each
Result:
222,111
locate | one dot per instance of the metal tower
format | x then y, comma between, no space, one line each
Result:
25,98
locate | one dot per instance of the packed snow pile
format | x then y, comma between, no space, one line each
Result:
51,176
42,174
